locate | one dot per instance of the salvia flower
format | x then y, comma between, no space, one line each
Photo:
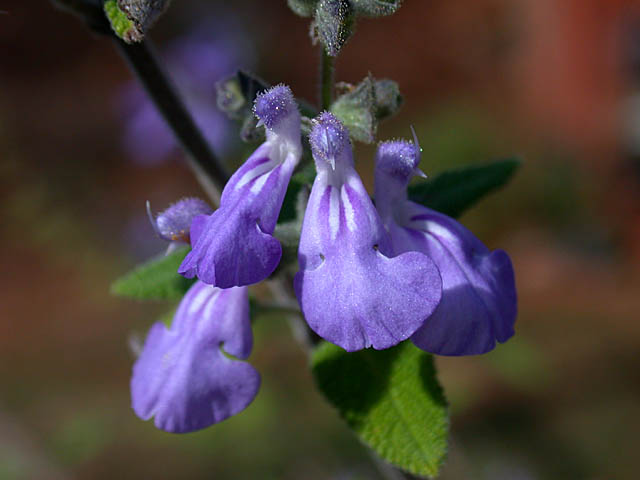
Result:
174,223
353,291
236,246
478,303
185,377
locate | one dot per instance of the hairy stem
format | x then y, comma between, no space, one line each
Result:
206,166
326,80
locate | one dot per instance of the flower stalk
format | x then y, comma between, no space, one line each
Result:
327,69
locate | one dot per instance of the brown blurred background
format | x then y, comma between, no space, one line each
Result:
554,81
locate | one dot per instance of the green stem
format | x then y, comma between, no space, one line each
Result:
326,79
209,171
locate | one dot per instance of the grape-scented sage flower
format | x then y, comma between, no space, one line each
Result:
352,292
183,377
174,223
236,246
478,303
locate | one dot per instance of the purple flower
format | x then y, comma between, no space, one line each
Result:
236,246
478,303
183,378
352,290
174,223
196,60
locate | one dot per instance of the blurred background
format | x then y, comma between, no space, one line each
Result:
556,82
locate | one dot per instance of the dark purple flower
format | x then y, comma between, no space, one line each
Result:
352,292
195,61
236,246
183,378
478,303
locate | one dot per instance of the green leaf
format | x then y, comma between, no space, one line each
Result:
157,279
454,191
391,399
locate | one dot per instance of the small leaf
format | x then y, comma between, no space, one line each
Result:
454,191
157,279
391,399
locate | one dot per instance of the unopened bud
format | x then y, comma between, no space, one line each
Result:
236,93
174,224
375,8
334,23
132,19
387,98
304,8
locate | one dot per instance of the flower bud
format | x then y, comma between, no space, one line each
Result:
174,223
236,93
387,98
375,8
304,8
334,24
142,14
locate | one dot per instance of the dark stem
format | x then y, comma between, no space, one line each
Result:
208,169
326,80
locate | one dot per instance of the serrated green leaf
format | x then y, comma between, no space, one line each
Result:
391,399
454,191
157,279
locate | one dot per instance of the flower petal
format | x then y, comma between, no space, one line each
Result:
234,246
350,292
479,303
358,301
182,378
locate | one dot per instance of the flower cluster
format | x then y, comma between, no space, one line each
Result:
370,276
